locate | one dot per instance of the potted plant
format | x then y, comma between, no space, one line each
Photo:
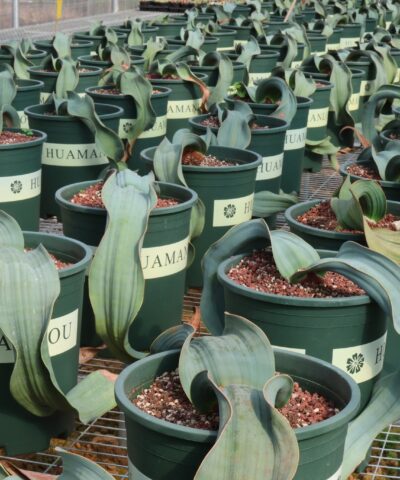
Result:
233,373
78,156
226,37
96,34
193,38
59,67
21,55
350,304
273,95
20,153
136,31
41,298
378,160
167,26
223,177
78,47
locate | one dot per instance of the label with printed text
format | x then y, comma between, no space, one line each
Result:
158,130
232,211
365,88
318,117
239,42
165,260
333,46
349,42
295,139
354,102
72,155
296,63
253,77
183,108
23,119
62,335
362,362
20,187
271,167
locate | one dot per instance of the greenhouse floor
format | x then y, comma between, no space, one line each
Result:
104,439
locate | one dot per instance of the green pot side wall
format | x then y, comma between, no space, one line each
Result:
162,455
26,96
64,134
22,432
163,294
22,168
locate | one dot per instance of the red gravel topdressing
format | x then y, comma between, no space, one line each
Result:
91,197
213,122
10,138
166,400
258,272
363,171
59,264
198,159
116,91
322,216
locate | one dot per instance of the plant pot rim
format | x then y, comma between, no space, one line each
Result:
328,302
282,126
75,268
210,68
263,56
126,30
237,27
93,71
204,436
216,170
384,134
327,84
67,204
302,102
37,54
156,81
164,92
42,137
29,86
115,112
229,32
317,232
177,40
384,183
174,23
86,33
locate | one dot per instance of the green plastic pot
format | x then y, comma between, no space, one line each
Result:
226,39
20,177
149,138
350,35
241,11
70,153
395,53
261,66
183,102
270,140
298,59
242,33
160,450
78,47
86,79
333,42
367,78
35,56
28,93
210,43
370,24
227,194
21,432
354,102
391,189
201,17
171,29
317,125
295,139
318,43
239,73
96,39
308,14
336,330
94,61
164,258
147,32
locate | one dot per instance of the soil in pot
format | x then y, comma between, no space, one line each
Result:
165,399
11,137
364,171
198,159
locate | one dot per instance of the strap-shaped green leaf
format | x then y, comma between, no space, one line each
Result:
225,75
62,45
77,467
116,281
235,130
68,76
20,61
135,36
324,147
383,240
388,161
10,232
153,47
8,90
268,203
249,50
277,90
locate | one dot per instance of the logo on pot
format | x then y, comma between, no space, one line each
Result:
165,260
271,167
232,211
183,108
362,362
318,117
159,128
16,186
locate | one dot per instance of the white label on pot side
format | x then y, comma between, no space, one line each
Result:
333,46
62,335
23,119
224,49
253,77
337,475
354,102
20,187
349,42
365,88
72,155
397,78
295,139
45,95
232,211
240,42
295,63
183,108
159,128
318,117
271,167
165,260
296,350
362,362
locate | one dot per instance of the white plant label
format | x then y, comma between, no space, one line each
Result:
232,211
72,155
183,108
224,49
165,260
253,77
333,46
365,88
397,79
361,362
318,117
296,63
271,167
354,102
239,42
20,187
158,130
295,139
62,335
349,42
23,119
